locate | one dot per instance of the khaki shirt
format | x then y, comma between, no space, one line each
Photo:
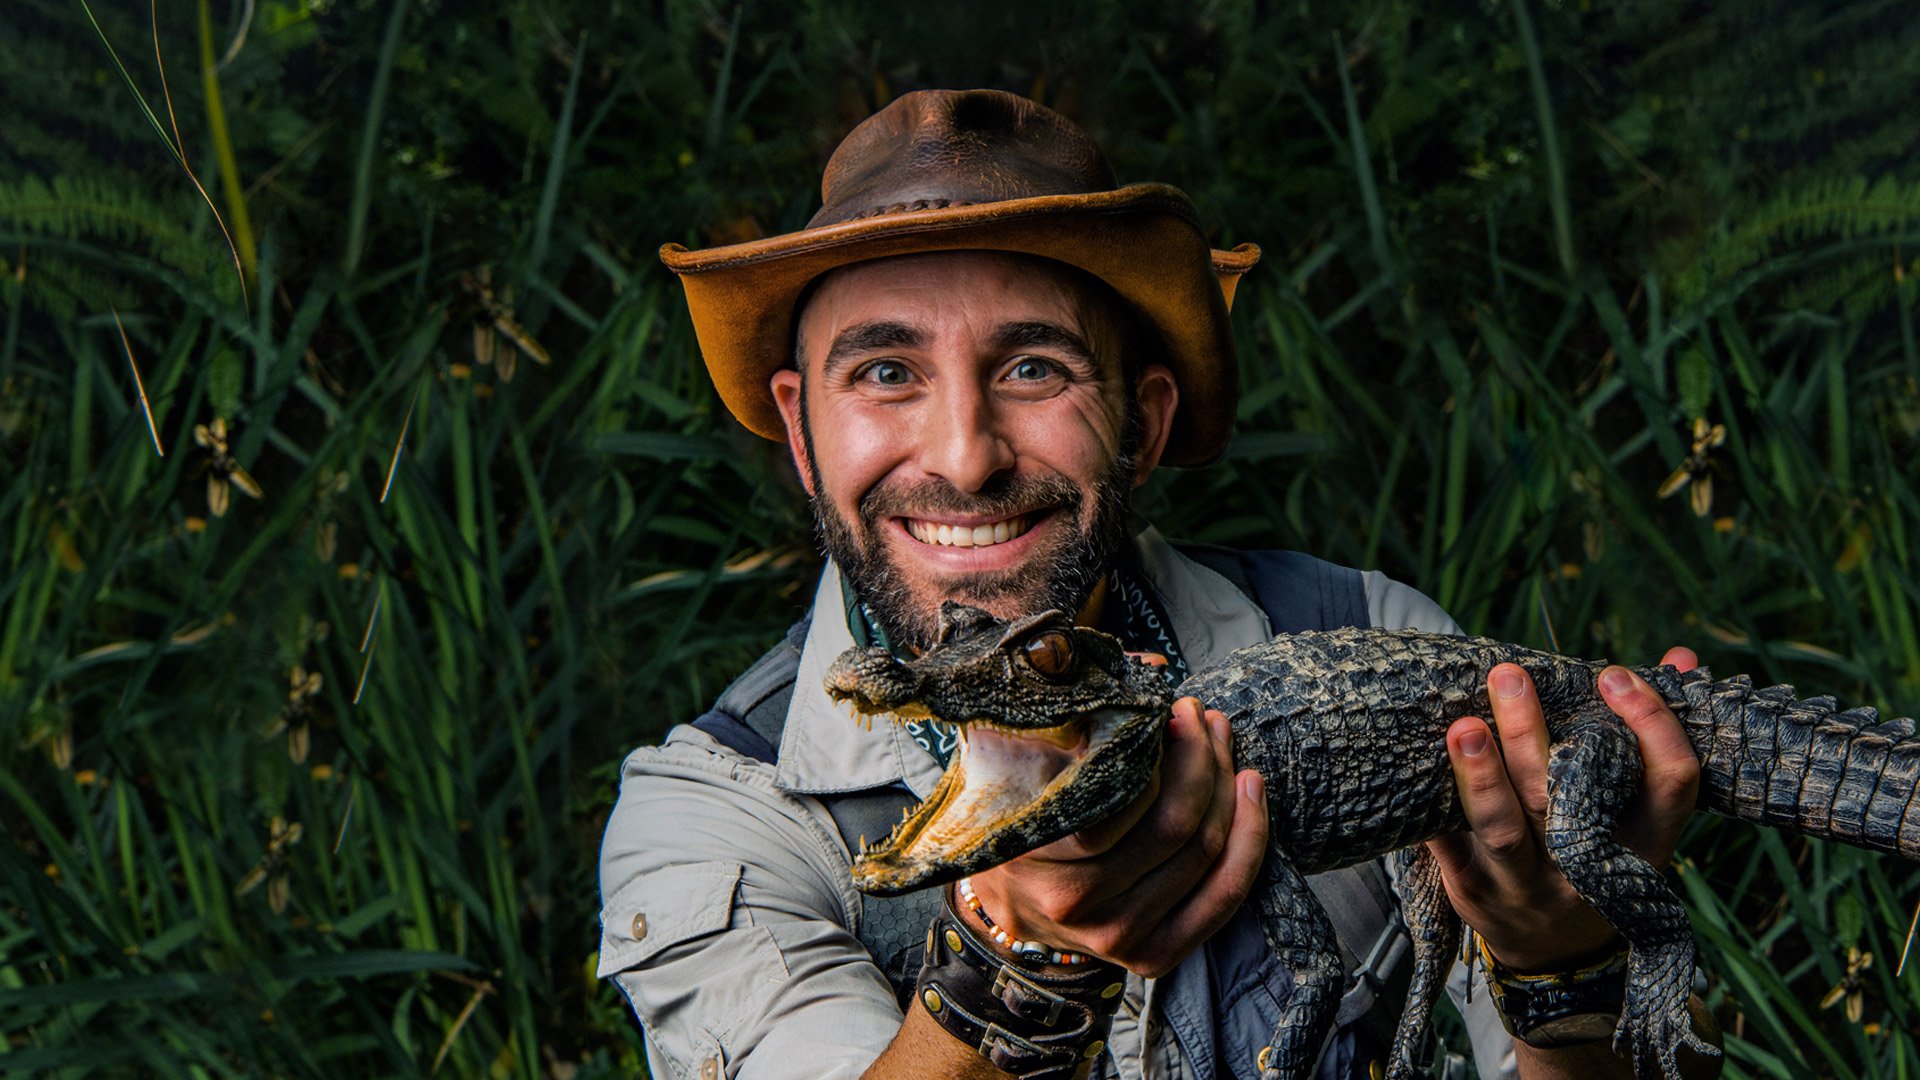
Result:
728,915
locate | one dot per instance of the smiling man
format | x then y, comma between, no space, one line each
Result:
984,452
976,351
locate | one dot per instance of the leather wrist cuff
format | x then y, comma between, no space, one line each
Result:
1559,1009
1028,1022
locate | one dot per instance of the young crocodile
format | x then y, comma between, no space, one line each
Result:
1060,728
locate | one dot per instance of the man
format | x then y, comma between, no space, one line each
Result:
976,351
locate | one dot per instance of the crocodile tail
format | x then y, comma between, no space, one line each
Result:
1801,764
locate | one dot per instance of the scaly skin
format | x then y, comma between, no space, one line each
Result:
1348,728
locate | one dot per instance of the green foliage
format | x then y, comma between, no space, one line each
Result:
1513,252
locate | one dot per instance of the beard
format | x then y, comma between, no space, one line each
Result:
1060,575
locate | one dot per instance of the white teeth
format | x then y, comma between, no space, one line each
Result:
966,535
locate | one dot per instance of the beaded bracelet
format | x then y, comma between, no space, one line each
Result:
1560,1008
1030,953
1040,1022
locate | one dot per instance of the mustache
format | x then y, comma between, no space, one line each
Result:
1004,496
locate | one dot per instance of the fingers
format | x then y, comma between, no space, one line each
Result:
1498,875
1680,658
1192,793
1188,754
1224,887
1672,772
1503,788
1199,788
1522,725
1187,846
1501,849
1145,888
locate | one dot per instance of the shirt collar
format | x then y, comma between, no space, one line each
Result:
824,751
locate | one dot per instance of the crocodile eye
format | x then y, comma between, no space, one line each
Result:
1050,654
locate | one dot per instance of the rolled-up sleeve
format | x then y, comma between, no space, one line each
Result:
726,908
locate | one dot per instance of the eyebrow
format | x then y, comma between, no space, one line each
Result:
881,335
1030,335
866,337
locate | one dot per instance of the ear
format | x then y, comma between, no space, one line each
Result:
1159,397
785,385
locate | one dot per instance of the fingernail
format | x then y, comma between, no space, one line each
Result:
1473,743
1507,682
1249,784
1616,680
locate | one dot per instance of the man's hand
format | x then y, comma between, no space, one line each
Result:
1150,884
1498,875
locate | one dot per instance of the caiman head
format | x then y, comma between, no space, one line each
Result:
1059,728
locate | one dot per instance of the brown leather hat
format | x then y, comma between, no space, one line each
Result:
941,170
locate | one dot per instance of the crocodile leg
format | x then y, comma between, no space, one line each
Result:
1435,930
1593,771
1301,936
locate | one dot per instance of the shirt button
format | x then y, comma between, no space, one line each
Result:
639,926
710,1069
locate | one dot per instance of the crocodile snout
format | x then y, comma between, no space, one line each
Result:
872,681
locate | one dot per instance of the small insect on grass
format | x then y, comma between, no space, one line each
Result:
1697,470
1851,986
272,867
303,686
222,470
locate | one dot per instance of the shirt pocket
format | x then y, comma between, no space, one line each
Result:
694,979
655,911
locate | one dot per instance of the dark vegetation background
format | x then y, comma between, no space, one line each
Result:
1514,251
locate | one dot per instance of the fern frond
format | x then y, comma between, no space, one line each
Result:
76,207
1844,208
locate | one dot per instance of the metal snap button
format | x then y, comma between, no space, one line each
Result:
710,1069
639,926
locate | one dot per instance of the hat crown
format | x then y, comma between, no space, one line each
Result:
938,148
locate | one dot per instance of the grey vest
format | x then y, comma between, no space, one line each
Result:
1222,1013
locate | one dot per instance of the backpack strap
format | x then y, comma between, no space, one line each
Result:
1297,591
1359,902
751,713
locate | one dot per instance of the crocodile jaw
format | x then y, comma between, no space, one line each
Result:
1006,793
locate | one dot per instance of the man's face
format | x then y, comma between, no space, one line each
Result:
965,432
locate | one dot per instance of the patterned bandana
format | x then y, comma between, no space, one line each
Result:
1143,628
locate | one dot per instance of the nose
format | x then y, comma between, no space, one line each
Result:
965,441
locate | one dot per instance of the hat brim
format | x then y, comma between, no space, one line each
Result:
1143,240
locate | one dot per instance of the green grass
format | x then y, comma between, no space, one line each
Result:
1474,352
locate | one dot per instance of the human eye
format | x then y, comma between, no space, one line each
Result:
886,373
1032,369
